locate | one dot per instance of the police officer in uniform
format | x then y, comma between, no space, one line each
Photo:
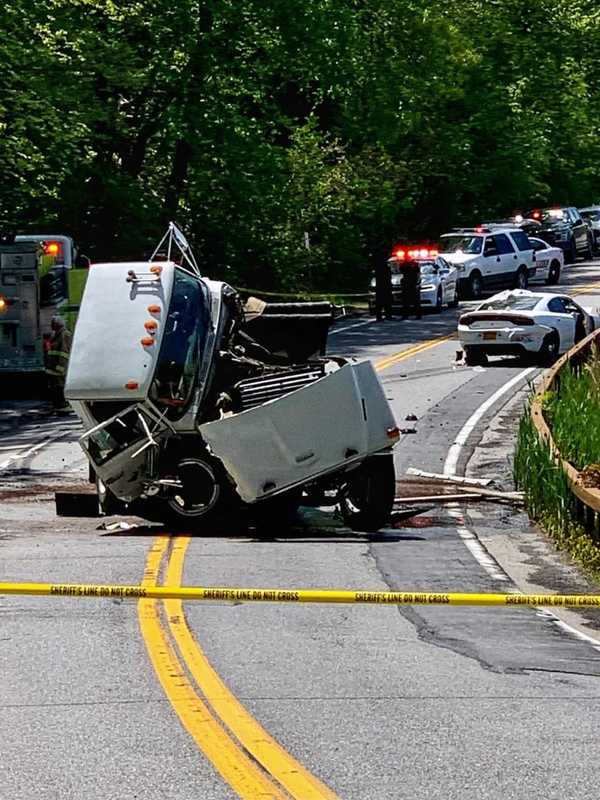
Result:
410,288
57,360
383,286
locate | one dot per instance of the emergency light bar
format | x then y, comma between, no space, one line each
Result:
402,253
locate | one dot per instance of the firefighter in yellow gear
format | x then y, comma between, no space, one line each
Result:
57,361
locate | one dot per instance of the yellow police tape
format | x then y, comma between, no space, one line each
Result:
250,595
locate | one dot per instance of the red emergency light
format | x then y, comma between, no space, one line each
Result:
52,248
536,214
416,252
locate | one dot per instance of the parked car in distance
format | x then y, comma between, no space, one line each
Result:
591,215
564,227
549,261
438,278
488,257
534,325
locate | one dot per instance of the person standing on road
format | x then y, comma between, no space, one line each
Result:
383,286
57,360
410,288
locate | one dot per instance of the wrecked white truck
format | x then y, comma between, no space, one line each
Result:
192,405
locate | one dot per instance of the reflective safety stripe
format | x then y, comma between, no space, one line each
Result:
58,354
59,372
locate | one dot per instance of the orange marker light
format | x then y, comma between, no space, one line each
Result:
156,270
3,305
132,385
151,325
393,433
52,248
147,341
154,309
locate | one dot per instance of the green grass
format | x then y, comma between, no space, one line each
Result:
548,498
573,414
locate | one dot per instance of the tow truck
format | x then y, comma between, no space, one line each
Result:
193,404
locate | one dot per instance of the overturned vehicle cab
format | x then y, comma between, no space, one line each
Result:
193,405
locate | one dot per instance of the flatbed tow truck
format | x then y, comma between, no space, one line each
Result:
193,405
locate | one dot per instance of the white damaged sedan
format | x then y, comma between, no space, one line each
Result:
522,323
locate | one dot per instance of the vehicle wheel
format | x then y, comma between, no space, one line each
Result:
474,357
548,352
475,285
553,273
108,503
367,499
521,279
571,253
454,302
589,251
439,301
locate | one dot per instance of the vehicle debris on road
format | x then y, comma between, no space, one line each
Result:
190,409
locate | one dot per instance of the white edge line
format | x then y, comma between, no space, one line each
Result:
470,540
349,327
454,452
34,449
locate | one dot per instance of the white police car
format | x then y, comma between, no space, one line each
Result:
534,324
438,278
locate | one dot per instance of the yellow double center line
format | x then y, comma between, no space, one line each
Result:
251,761
411,351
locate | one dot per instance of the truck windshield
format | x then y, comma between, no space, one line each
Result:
182,346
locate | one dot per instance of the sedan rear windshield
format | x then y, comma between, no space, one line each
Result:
461,244
512,302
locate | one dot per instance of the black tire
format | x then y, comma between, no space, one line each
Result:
474,357
553,273
439,302
521,278
548,352
367,499
207,499
108,504
589,250
454,302
571,253
475,285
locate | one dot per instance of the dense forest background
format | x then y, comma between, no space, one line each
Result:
252,121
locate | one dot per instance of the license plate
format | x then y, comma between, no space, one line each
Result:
489,335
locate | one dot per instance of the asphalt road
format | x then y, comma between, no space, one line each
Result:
112,699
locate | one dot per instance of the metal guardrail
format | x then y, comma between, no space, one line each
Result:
587,500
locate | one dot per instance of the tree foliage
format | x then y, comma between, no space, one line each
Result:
251,124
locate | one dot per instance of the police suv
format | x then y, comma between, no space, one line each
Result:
489,257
